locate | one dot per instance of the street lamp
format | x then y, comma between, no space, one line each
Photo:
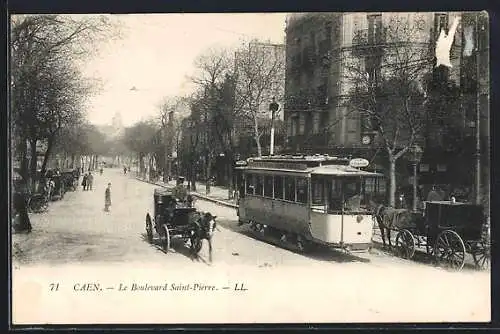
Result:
273,108
416,153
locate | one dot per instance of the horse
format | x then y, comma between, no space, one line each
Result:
389,218
203,226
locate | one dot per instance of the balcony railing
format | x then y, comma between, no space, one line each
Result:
369,37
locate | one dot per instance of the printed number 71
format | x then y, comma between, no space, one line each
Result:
54,286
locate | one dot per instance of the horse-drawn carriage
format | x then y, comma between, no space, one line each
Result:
174,217
446,229
70,179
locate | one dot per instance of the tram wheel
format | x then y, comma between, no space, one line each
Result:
302,245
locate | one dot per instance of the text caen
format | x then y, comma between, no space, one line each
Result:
90,286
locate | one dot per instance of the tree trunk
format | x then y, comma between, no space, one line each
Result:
33,163
24,161
230,175
208,165
392,181
259,147
73,158
142,171
192,172
50,144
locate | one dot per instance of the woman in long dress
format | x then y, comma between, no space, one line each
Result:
107,198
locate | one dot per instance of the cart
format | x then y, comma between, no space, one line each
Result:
172,219
70,179
448,231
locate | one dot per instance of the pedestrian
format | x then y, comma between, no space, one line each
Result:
90,181
107,198
100,171
84,181
124,170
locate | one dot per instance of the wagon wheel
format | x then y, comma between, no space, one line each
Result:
149,228
481,254
450,250
165,238
405,244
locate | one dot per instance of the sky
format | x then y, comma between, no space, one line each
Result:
154,57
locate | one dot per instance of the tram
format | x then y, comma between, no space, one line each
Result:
307,200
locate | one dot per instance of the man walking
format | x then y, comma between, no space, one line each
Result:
85,181
90,181
107,198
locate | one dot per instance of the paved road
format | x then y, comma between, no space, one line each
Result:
322,286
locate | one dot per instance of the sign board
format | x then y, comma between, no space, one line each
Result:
359,163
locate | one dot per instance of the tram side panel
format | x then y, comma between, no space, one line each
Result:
335,229
282,215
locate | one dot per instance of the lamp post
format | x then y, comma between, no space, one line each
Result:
273,107
416,153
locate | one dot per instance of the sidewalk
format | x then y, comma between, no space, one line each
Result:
217,194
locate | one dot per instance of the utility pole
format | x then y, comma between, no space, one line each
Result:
273,107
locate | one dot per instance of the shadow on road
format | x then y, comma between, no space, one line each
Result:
420,256
177,245
317,252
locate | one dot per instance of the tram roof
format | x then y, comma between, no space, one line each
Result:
338,170
341,170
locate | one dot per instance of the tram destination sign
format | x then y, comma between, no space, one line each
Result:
277,165
359,163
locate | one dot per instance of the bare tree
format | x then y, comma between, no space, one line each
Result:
211,69
47,89
260,75
387,88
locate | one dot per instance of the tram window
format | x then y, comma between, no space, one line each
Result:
250,184
317,191
302,190
335,196
278,187
352,194
268,186
290,188
259,185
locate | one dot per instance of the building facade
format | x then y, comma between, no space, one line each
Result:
320,52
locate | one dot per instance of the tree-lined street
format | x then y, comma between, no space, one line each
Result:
78,231
343,88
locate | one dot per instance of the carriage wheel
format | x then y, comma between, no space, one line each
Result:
481,254
450,250
405,244
165,238
149,228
